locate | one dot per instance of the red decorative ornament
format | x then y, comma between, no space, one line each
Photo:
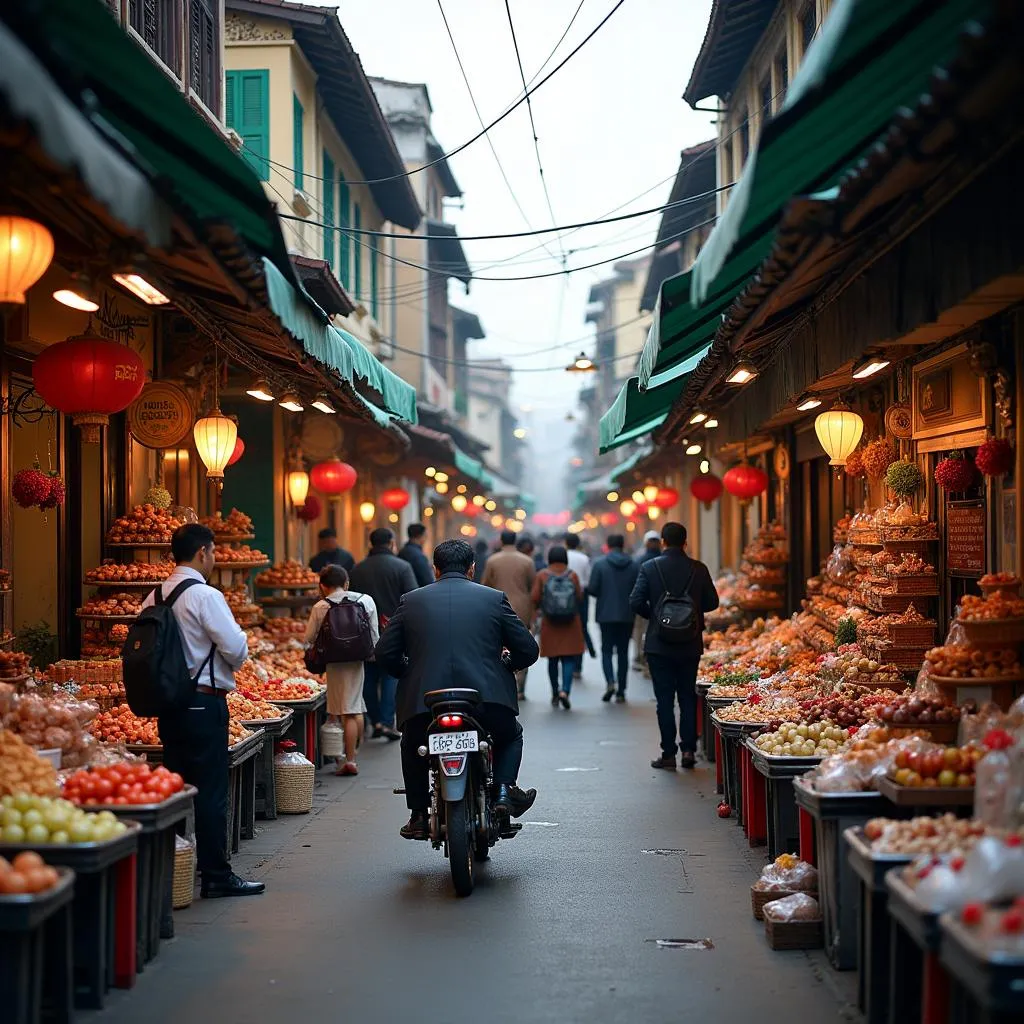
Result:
666,498
310,511
56,495
395,498
333,477
30,487
995,457
471,510
609,518
238,452
955,473
724,810
89,378
706,488
745,482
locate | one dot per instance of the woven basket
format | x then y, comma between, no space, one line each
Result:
1005,589
294,783
925,585
994,632
759,897
793,934
912,634
184,877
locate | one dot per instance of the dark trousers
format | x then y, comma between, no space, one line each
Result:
615,640
675,679
565,667
379,691
196,747
584,610
504,728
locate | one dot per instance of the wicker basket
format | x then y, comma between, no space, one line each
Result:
994,632
184,877
793,934
925,585
759,897
294,783
907,658
1004,589
912,634
902,545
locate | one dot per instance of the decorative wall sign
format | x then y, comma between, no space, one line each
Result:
934,395
780,460
322,436
965,537
379,450
162,416
949,398
899,420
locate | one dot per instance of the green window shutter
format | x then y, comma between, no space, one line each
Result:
345,241
247,111
297,141
357,217
328,184
374,260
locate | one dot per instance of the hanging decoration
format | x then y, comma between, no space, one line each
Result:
32,488
878,455
394,498
903,478
995,457
854,467
215,436
367,510
310,510
238,452
666,497
333,477
955,473
839,431
159,497
298,484
26,250
745,482
89,379
706,488
471,510
608,519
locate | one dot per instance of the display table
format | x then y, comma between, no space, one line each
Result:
872,923
242,759
918,983
266,788
305,727
104,910
832,814
772,780
987,987
36,958
731,737
708,733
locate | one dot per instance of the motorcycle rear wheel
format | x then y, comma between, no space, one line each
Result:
460,845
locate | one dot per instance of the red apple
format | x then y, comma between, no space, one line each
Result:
724,810
972,914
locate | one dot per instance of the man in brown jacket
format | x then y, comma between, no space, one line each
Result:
513,572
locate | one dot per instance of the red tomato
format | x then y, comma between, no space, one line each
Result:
177,781
120,801
104,788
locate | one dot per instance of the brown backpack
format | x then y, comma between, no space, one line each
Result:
343,636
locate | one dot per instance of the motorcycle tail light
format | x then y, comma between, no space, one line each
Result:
454,764
450,721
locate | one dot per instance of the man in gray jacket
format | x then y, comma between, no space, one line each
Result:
611,581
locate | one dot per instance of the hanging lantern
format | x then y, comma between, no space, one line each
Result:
215,437
666,497
650,493
839,432
745,482
459,503
238,452
311,510
89,378
653,512
26,249
706,488
367,510
333,477
627,507
608,519
395,498
471,510
298,486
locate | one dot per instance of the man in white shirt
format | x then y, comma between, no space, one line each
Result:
195,739
579,563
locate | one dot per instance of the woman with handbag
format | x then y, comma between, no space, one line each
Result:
342,624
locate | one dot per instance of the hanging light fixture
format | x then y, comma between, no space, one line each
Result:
868,366
710,423
441,488
428,512
698,417
459,503
705,466
627,508
367,510
650,492
839,432
80,294
261,390
742,373
582,364
298,484
323,404
520,514
693,449
215,434
26,250
806,402
491,505
333,477
394,498
290,400
653,512
142,289
519,433
638,498
479,500
429,471
612,495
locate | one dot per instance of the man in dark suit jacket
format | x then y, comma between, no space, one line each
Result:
674,665
451,634
412,553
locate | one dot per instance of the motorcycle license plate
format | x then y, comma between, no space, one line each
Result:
454,742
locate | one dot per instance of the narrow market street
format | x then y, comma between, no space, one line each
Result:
358,925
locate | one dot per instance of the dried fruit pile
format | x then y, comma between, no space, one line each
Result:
145,524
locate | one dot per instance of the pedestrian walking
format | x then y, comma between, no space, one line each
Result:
612,579
412,552
579,562
331,552
481,553
512,572
385,577
674,591
345,702
651,549
195,738
557,593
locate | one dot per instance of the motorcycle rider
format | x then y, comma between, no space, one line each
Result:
449,635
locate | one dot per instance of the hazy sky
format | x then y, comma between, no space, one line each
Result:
611,124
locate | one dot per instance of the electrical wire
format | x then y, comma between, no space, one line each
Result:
475,364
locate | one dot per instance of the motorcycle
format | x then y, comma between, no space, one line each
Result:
463,818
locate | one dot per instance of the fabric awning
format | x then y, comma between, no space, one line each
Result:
625,466
473,468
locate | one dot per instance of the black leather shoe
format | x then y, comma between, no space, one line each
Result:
513,800
620,698
668,763
418,826
390,734
232,886
687,759
608,694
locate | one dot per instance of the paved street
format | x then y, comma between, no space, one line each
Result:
358,924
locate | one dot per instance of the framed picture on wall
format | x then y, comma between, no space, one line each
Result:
951,403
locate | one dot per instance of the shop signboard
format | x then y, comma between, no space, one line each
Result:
162,416
965,537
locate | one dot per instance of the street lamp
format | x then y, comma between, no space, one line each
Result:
582,364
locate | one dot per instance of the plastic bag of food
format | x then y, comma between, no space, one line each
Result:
290,756
798,907
788,872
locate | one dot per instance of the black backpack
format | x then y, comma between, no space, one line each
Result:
558,599
156,675
343,636
676,618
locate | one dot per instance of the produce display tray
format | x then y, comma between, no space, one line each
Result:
301,706
957,681
142,546
940,732
15,680
286,601
993,977
27,911
837,805
144,748
993,632
233,538
774,563
89,617
780,767
723,702
921,925
243,751
923,796
737,730
86,857
271,726
870,867
153,817
115,584
225,566
286,586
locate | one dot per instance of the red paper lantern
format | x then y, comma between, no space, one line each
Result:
667,497
706,488
609,518
333,477
89,378
471,510
238,452
310,511
395,498
745,482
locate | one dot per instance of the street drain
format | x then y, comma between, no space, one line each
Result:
665,853
683,943
577,769
542,824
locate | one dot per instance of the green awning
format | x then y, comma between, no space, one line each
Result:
624,467
473,468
